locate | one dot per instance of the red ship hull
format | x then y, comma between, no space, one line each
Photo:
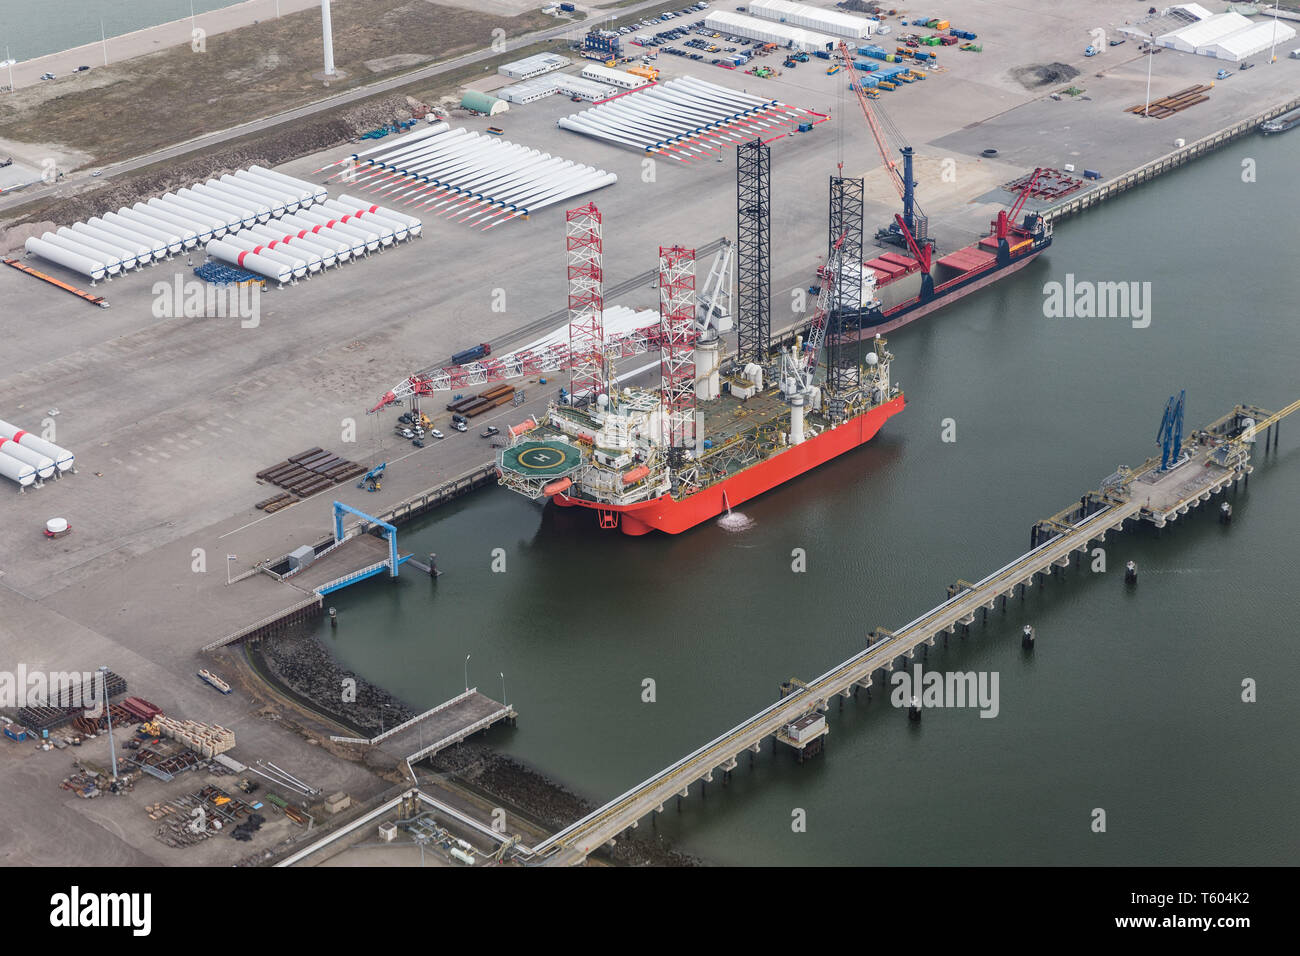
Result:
672,516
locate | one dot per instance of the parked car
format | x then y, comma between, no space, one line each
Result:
82,69
1116,42
460,426
47,76
490,431
437,434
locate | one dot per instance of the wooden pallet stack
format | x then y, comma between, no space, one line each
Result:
206,739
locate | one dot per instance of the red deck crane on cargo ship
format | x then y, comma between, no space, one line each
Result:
903,182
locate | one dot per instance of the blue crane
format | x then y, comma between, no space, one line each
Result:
373,479
1170,436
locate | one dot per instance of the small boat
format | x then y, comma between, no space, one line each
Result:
214,680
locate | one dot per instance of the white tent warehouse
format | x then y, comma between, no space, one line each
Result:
813,18
769,31
686,118
1244,43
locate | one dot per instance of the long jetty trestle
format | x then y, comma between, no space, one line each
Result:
1210,462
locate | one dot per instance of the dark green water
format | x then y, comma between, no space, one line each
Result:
1131,701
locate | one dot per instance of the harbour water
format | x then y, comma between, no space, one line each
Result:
1131,702
32,28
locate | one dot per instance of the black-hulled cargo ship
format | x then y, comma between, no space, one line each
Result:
1281,123
901,287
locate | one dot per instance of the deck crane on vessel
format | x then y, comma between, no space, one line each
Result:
799,367
911,225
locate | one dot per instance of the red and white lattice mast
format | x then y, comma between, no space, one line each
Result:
678,332
586,302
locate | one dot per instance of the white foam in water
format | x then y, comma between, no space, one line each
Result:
734,521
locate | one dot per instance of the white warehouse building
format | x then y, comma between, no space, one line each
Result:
618,78
769,31
813,18
532,66
529,91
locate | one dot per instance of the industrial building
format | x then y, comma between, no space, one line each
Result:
1225,36
532,66
618,78
529,91
540,87
813,18
583,89
769,31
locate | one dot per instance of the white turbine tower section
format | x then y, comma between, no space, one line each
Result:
398,230
281,201
124,259
15,470
251,211
185,238
222,251
156,249
345,247
368,240
273,238
43,464
412,224
276,235
188,200
237,198
203,229
143,254
327,36
248,243
317,191
128,258
111,265
170,241
63,459
93,269
303,197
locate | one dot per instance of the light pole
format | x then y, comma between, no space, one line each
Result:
1151,55
503,689
112,749
103,40
466,673
9,62
229,559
